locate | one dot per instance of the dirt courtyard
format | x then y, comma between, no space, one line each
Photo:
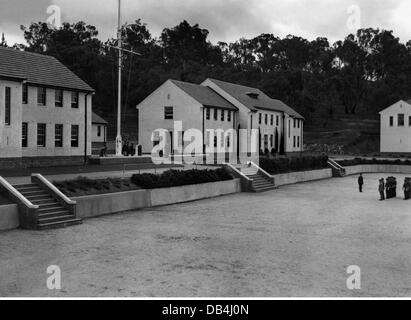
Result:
295,241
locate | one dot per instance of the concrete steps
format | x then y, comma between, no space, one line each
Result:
260,182
51,213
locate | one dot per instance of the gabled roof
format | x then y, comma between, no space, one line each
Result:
204,95
39,69
254,99
407,102
96,119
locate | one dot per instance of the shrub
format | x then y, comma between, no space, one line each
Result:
174,178
362,161
285,165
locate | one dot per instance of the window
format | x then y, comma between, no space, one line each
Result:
74,136
215,141
272,120
266,119
208,113
222,115
295,140
58,136
391,121
299,124
99,131
271,140
298,142
41,135
289,128
229,116
7,105
168,113
401,120
215,114
41,96
74,99
260,118
24,135
25,93
409,121
278,121
59,98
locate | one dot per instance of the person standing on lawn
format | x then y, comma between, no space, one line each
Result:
381,189
360,182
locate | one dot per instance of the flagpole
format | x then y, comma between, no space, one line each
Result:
119,140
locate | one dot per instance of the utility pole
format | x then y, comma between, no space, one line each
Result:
119,140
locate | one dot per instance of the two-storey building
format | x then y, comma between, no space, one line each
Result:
45,112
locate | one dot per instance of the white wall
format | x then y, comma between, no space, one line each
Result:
396,139
94,135
32,113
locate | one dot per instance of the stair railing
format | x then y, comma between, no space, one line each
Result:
65,201
246,182
337,168
28,212
263,172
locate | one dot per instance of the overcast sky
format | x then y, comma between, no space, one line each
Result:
227,20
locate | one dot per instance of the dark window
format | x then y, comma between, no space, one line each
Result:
74,136
58,136
41,135
25,94
260,118
289,128
41,96
99,131
409,121
391,121
74,99
272,120
208,113
294,141
222,115
24,135
401,120
278,121
266,119
168,113
7,105
215,114
229,116
271,140
298,142
215,141
59,98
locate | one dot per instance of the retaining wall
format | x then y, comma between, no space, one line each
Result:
377,168
9,217
304,176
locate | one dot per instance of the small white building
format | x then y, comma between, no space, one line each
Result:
45,112
99,132
223,106
396,128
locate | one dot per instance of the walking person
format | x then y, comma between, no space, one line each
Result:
360,182
406,187
381,189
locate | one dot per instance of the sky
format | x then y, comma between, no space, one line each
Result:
227,20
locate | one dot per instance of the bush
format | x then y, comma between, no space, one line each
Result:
361,161
285,165
174,178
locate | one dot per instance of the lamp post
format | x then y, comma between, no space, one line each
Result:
119,140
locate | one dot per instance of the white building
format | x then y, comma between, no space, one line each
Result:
99,132
396,128
45,112
219,105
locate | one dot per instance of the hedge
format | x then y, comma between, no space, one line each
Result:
286,165
174,178
361,161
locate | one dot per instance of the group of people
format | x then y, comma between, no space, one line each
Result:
128,150
384,189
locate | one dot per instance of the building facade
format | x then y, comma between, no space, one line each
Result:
223,107
98,133
45,112
396,128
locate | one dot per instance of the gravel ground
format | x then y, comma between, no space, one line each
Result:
295,241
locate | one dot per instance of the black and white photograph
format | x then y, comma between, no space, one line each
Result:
187,150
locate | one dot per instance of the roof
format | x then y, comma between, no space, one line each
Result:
95,118
204,95
406,101
254,99
39,69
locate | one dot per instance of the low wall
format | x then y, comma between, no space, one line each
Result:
377,168
9,217
161,197
304,176
98,205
